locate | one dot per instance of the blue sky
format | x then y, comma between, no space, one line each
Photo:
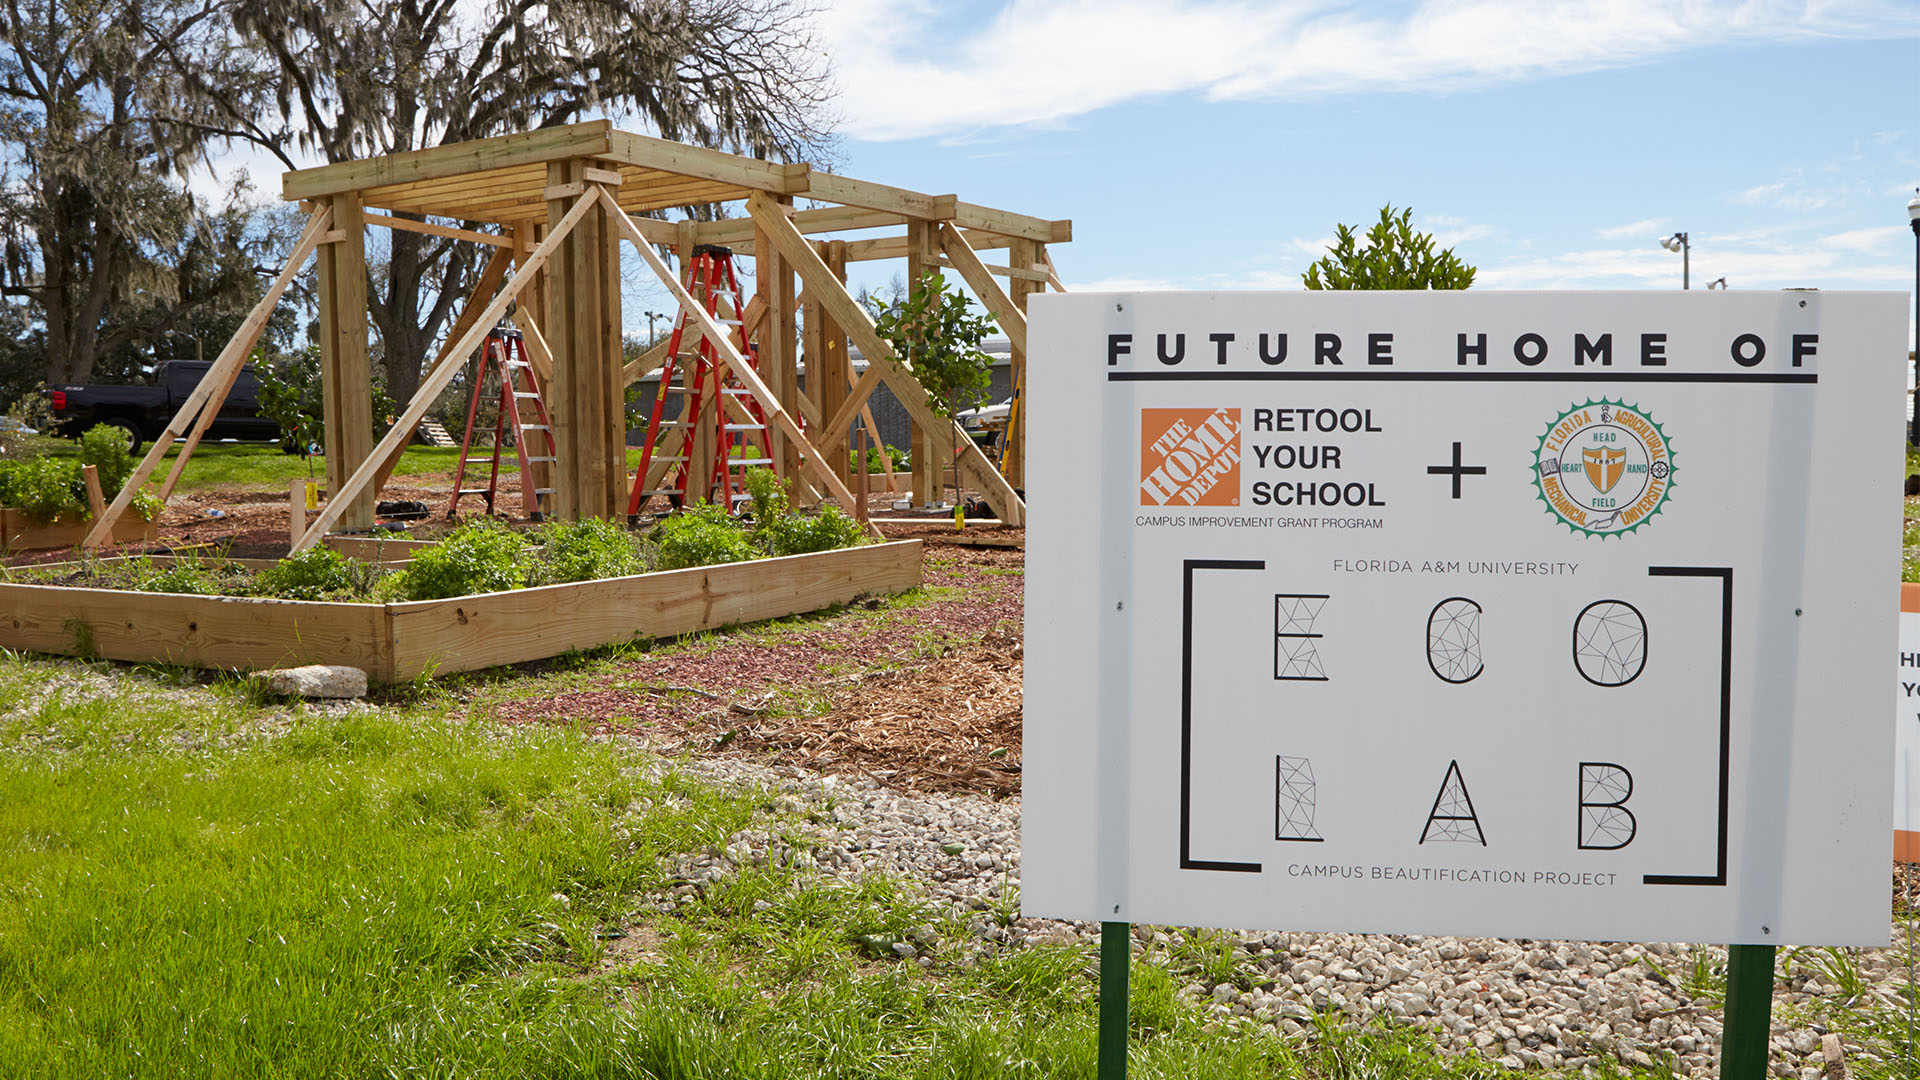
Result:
1552,144
1214,144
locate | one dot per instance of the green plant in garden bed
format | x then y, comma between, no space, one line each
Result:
588,549
481,556
52,488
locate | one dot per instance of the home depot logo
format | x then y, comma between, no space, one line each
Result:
1190,457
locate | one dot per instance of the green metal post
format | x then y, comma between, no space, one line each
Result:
1749,1012
1116,952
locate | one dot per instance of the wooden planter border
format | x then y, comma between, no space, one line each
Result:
19,533
395,642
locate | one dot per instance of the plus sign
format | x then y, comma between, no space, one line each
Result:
1457,470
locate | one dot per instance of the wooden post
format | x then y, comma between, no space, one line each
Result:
1023,255
296,509
860,483
773,280
582,330
96,502
346,375
925,447
832,373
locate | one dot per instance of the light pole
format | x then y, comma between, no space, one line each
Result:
1678,242
651,316
1913,216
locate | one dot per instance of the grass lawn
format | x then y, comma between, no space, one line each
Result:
262,465
194,883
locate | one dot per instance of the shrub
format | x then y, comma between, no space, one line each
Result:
876,462
587,549
779,531
797,534
479,557
318,573
46,489
51,489
703,535
105,448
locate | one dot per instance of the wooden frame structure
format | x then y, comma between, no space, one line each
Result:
564,198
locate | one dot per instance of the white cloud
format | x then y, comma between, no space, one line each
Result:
1044,61
1650,228
1856,258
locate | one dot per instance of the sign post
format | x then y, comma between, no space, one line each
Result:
1488,614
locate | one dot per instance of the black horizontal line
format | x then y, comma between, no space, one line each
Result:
1793,377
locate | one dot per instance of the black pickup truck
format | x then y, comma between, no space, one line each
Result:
144,411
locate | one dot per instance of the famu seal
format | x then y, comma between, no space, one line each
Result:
1604,468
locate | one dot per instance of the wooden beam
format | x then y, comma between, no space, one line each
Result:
1010,224
1013,321
723,344
647,362
604,177
660,232
430,389
428,227
895,247
225,365
589,139
853,319
818,220
668,156
893,200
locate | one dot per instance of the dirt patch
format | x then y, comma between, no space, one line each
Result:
924,697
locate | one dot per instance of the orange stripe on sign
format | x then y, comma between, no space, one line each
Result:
1909,596
1906,846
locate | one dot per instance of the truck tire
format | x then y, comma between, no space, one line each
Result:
130,429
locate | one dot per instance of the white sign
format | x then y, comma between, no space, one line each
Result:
1517,614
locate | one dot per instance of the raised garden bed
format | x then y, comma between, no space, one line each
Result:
398,641
18,532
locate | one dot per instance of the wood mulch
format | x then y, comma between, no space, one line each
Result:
925,697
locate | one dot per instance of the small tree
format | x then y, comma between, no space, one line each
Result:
1396,256
292,395
935,330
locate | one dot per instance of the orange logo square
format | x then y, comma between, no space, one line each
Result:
1190,457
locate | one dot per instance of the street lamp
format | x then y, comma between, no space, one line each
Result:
1678,242
1718,283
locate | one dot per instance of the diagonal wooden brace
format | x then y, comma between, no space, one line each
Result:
204,403
853,319
402,430
1012,320
722,341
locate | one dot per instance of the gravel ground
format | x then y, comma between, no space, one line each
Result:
1552,1005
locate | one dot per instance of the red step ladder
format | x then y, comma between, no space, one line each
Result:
722,478
504,363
